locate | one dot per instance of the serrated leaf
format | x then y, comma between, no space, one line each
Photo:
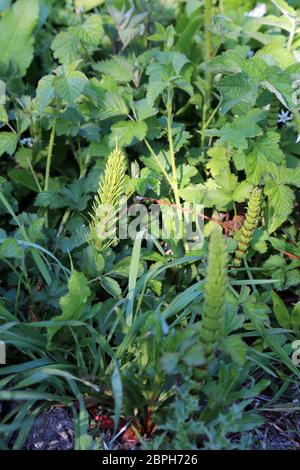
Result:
70,84
236,348
16,31
23,156
265,150
87,5
124,132
91,31
118,68
281,198
236,133
8,143
73,303
65,46
44,93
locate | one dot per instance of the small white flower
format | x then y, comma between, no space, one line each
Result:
258,11
298,139
284,117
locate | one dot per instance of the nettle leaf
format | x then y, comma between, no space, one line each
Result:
219,159
154,90
10,249
236,348
236,133
91,31
17,26
273,54
281,198
73,196
264,150
237,89
24,157
118,68
87,5
125,132
70,84
65,46
225,189
113,105
73,303
44,93
232,61
8,143
144,110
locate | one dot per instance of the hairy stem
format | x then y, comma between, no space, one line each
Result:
208,42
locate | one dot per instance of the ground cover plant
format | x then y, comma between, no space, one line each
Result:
108,109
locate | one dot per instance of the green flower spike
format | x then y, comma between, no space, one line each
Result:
111,189
244,235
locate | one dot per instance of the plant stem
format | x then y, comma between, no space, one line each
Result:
292,34
207,42
49,156
171,151
48,164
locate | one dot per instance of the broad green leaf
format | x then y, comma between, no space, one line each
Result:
236,348
70,84
281,198
91,31
235,133
23,156
87,5
73,303
17,33
44,92
263,151
125,132
8,143
65,46
118,68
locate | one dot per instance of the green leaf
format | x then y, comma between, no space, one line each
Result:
111,286
237,89
65,46
73,303
118,68
295,316
10,249
8,143
87,5
281,312
23,156
265,150
70,85
125,132
219,159
16,31
236,348
3,114
44,93
23,177
281,198
91,31
236,133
